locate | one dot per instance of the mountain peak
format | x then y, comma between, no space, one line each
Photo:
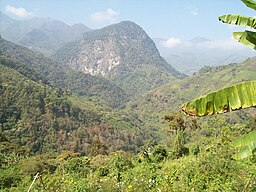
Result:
115,45
122,29
119,52
128,24
199,40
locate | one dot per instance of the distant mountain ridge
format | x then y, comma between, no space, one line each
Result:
42,34
121,52
189,56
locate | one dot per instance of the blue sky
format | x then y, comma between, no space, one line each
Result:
183,19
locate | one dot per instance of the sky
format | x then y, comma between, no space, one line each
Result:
168,19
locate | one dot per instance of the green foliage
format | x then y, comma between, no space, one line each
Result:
247,143
75,142
179,128
29,110
42,118
225,100
9,177
160,153
250,3
234,97
96,148
143,79
22,69
213,169
37,164
247,38
195,150
179,148
62,76
152,106
231,98
238,20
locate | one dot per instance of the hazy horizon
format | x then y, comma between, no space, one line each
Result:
175,19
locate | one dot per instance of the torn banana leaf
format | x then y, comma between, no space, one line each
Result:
238,20
247,38
231,98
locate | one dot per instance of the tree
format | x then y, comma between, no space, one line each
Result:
235,97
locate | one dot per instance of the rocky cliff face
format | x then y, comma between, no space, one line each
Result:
122,45
97,58
123,53
60,75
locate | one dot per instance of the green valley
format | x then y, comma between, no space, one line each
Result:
99,110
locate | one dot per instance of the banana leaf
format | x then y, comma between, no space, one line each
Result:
235,97
245,139
231,98
246,151
238,20
247,38
247,144
250,3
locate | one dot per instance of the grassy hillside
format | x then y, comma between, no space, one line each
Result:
152,106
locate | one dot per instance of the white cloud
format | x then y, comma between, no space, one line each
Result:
19,12
227,44
106,16
171,42
177,44
193,11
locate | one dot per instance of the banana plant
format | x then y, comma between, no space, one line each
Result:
247,37
228,99
235,97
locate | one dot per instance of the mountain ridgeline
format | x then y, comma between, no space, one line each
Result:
102,114
122,53
45,35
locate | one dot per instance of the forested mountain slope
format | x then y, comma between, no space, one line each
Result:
83,144
163,100
40,118
60,75
124,54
